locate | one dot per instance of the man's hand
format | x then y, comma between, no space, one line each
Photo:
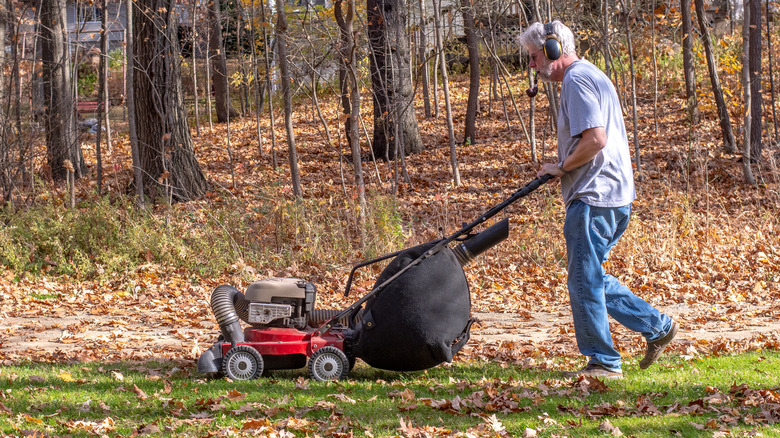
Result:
550,168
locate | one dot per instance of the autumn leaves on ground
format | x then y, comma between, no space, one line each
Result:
700,238
701,241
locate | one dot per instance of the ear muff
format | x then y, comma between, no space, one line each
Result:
552,46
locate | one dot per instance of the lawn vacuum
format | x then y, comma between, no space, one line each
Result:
416,316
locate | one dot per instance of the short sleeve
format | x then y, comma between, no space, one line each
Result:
584,108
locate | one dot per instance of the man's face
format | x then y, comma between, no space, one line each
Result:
541,64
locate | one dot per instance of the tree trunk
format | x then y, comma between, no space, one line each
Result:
256,75
756,95
219,76
350,100
423,51
747,8
607,56
446,87
655,75
6,89
138,180
688,69
102,94
393,92
209,87
346,57
194,34
16,73
241,64
5,85
729,143
436,84
281,47
267,58
637,156
59,111
166,152
771,76
472,42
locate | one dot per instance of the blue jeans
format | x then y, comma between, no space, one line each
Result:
590,233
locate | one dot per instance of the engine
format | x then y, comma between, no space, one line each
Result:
280,302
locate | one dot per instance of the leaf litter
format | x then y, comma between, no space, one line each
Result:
710,257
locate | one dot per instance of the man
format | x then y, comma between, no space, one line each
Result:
597,184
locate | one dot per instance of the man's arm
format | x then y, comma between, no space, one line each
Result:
592,142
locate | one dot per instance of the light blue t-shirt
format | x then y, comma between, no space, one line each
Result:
589,100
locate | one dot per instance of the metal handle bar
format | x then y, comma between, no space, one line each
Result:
521,193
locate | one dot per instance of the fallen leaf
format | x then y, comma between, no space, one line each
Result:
606,426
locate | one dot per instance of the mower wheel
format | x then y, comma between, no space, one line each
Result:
328,363
242,362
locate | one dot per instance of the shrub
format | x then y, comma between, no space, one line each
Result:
105,237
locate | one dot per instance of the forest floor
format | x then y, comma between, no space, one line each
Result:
703,246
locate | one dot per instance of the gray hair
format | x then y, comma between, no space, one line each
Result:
534,36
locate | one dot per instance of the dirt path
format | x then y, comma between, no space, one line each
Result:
123,337
699,322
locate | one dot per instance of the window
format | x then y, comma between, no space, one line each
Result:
88,11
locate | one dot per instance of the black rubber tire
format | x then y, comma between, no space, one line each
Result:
328,363
242,362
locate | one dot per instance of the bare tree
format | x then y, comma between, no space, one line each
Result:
423,63
59,112
747,8
284,71
729,143
6,90
138,180
446,87
637,155
346,59
687,51
267,58
350,100
166,153
102,94
219,75
771,75
244,95
472,43
605,48
256,76
756,95
194,36
208,87
655,72
392,86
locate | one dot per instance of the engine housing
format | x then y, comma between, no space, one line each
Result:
280,302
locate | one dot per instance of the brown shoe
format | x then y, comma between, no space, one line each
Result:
595,370
655,348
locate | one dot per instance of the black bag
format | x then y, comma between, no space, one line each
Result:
418,320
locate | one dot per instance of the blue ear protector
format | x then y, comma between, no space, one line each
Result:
552,46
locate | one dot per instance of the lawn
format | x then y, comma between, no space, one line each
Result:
730,395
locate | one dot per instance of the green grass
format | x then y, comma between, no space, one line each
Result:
698,397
